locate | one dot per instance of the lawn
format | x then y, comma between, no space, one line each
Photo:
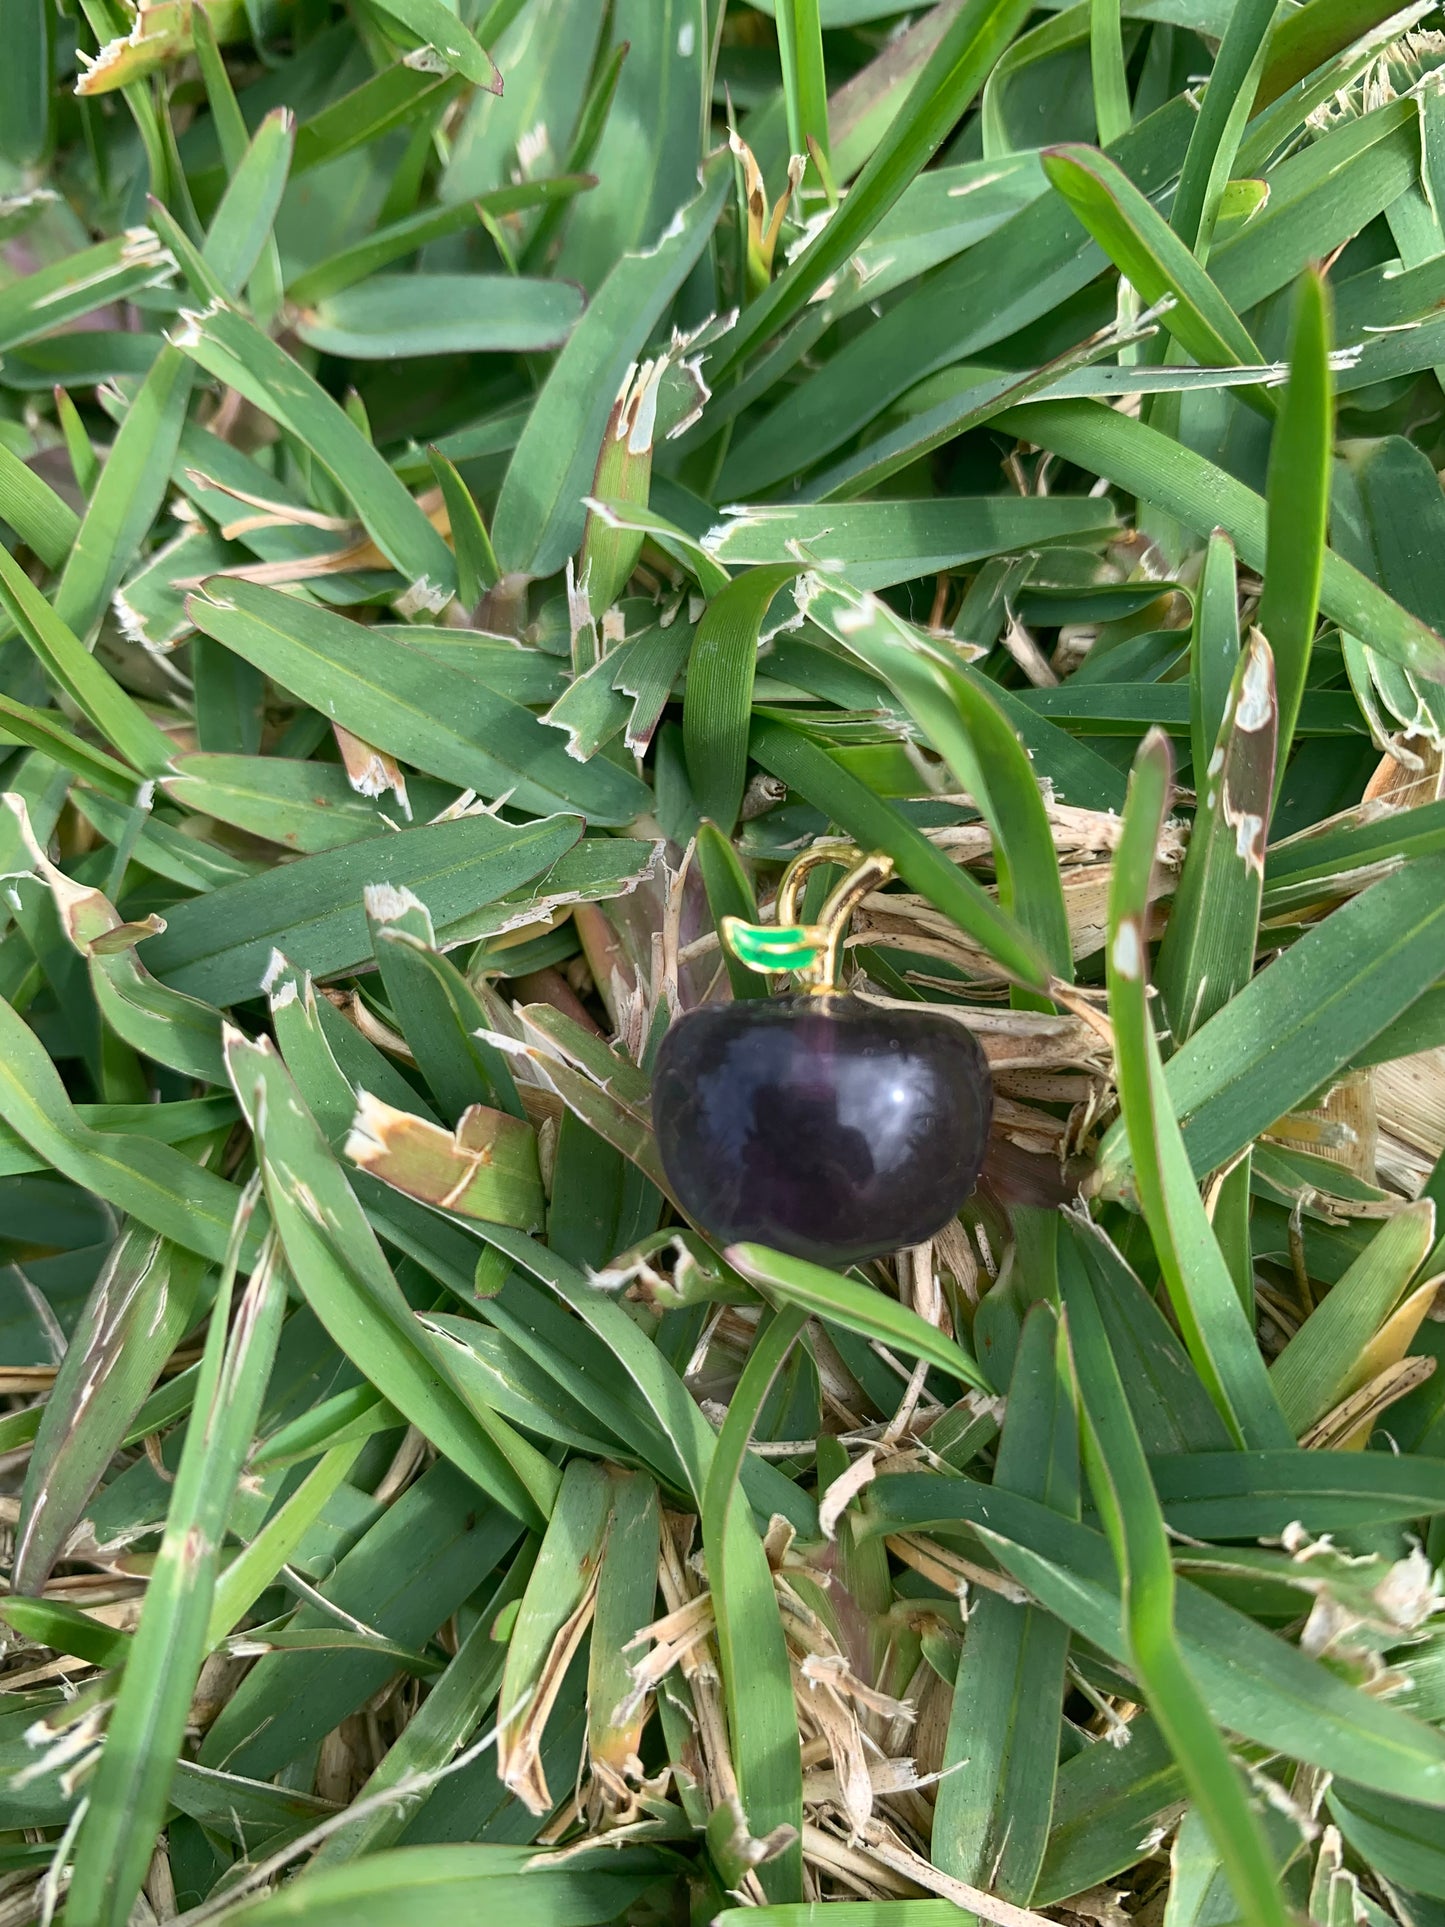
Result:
486,486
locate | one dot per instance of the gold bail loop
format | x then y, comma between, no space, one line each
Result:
812,951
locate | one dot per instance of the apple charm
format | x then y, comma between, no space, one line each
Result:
818,1124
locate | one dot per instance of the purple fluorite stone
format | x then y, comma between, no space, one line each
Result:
820,1125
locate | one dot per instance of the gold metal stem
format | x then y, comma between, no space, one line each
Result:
865,874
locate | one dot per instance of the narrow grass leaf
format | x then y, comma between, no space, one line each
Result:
1207,956
441,32
729,894
953,74
1203,498
1297,496
1204,178
339,1267
752,1649
236,352
425,712
54,296
540,513
805,82
234,140
447,1718
389,315
1256,1683
1124,1494
379,249
1213,648
240,230
1110,77
854,1306
477,569
439,1012
219,947
141,1305
1322,1363
1219,1337
991,1820
719,691
145,1177
128,496
37,514
878,543
1299,1021
626,1597
969,730
555,1614
116,716
128,1793
1153,259
515,1883
256,1565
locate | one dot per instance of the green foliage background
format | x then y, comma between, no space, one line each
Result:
482,487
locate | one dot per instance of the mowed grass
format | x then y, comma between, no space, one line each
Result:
482,488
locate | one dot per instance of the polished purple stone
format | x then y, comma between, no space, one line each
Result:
821,1125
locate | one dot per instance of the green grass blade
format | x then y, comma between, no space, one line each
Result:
219,948
719,692
1219,1337
991,1819
36,513
447,1718
142,1303
233,137
1321,1364
952,76
1256,1683
129,1791
115,715
392,695
389,244
1203,497
1215,140
967,727
35,304
554,1615
452,1882
149,1180
856,1307
235,351
757,1677
339,1268
26,92
128,496
1312,1011
1213,648
805,84
477,569
256,1566
1153,258
438,29
1122,1489
540,516
1106,64
1207,955
439,1012
729,894
1298,496
240,232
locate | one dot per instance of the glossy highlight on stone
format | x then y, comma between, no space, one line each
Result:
821,1125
